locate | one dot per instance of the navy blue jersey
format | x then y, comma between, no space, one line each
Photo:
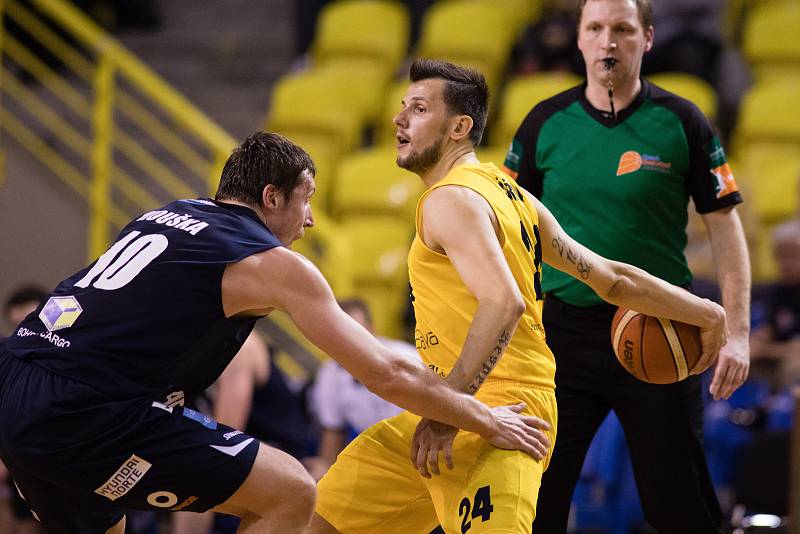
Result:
146,318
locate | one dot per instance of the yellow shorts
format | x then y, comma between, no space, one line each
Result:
374,488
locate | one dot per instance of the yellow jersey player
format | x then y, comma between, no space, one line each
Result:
475,267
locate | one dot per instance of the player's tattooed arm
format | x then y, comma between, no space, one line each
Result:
490,362
582,265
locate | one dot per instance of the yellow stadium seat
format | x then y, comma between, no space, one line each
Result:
369,182
769,112
317,103
519,13
331,251
376,31
770,41
521,95
468,33
691,88
364,81
325,153
767,145
380,248
772,173
387,304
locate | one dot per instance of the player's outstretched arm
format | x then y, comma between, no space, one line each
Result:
282,279
626,285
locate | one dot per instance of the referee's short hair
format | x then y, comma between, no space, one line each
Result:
465,91
643,7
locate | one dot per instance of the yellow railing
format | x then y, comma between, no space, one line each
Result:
127,139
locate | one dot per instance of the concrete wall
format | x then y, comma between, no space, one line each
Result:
43,225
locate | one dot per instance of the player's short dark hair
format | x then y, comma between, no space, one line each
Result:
24,295
643,7
465,91
262,159
353,304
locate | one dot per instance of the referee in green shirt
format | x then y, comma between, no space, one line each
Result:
616,160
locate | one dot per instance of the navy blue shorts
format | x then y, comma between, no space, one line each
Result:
81,458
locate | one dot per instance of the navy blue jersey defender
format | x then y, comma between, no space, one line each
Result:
146,318
86,427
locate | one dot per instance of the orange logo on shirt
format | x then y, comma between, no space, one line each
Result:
725,182
630,161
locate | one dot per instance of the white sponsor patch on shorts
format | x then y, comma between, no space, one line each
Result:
125,478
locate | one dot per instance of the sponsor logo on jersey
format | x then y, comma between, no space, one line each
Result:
55,339
60,312
424,341
632,161
725,184
125,478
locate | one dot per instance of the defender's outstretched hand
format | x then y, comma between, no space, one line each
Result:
515,431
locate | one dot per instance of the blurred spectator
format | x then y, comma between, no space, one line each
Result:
688,38
549,43
21,302
344,406
15,516
778,339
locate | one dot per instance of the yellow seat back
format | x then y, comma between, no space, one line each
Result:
376,31
521,95
770,41
369,182
692,88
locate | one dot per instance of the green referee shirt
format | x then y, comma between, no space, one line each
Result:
621,185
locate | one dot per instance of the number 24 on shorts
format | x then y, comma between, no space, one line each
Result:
481,506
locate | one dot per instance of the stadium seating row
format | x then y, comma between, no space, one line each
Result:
349,93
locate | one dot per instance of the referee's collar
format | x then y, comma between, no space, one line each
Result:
604,117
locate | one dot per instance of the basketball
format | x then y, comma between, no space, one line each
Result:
653,349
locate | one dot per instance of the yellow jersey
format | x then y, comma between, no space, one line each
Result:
443,305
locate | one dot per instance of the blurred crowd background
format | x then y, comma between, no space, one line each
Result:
110,107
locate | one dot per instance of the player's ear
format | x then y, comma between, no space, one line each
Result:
269,196
461,128
649,35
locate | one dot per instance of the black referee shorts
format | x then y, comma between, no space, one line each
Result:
662,424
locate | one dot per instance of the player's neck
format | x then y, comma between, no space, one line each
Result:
624,92
451,158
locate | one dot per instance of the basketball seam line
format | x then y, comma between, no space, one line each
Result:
623,323
676,348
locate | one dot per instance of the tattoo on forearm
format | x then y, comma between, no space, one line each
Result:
490,363
582,266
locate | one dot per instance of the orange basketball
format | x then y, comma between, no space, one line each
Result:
652,349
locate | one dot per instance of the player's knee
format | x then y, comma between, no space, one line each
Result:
305,490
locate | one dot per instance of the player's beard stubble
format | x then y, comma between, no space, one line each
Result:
420,162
